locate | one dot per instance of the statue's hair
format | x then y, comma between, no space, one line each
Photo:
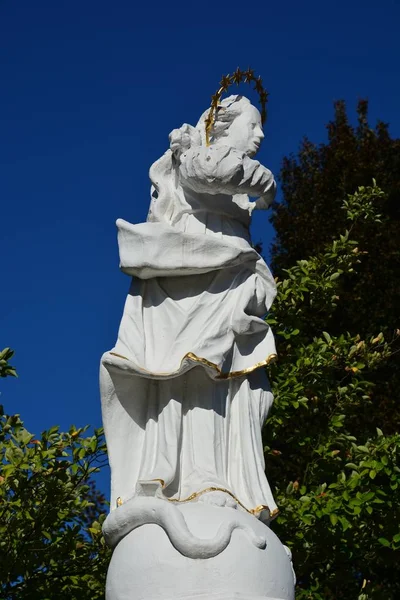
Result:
227,111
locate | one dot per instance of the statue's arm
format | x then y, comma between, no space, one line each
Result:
223,170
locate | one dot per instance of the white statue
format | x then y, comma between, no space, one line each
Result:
184,394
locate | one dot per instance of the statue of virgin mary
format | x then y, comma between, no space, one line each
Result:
184,391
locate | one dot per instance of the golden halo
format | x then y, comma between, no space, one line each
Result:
238,76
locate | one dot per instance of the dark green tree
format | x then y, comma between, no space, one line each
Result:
336,471
51,546
314,183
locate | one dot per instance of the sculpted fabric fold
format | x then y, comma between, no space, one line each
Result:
214,315
184,396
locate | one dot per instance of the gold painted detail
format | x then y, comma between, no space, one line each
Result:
252,511
208,363
161,481
238,76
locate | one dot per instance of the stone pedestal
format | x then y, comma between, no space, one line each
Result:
146,566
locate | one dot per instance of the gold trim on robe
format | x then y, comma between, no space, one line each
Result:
253,511
208,363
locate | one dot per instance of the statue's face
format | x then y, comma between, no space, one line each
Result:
245,133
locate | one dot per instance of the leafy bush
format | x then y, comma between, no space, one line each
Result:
335,470
51,544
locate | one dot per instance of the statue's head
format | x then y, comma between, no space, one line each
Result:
237,124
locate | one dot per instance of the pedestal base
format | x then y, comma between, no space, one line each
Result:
146,566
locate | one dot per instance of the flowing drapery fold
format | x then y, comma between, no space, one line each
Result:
182,386
212,316
184,396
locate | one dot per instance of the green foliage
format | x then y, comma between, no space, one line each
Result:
356,365
51,544
6,370
314,183
335,469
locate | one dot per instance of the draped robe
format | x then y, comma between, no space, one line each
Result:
184,394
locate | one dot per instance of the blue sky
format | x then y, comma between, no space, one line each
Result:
89,92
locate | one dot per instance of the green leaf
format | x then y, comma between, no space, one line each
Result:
327,336
351,466
307,519
344,523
